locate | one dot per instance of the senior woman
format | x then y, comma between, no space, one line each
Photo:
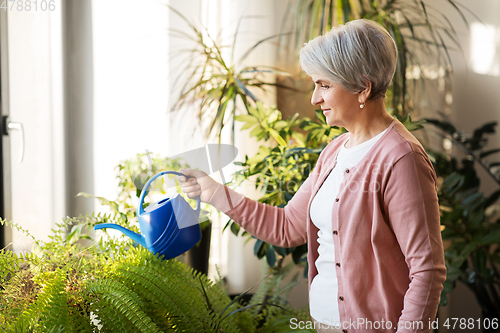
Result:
369,210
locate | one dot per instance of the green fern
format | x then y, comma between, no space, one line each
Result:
117,286
50,310
194,303
116,300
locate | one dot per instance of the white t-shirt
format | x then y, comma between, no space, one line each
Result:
323,294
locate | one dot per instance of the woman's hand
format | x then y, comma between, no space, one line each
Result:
200,184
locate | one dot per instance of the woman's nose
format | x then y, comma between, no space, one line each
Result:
316,98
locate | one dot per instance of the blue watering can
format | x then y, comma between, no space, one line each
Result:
169,227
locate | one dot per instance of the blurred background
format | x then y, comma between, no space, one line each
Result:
88,84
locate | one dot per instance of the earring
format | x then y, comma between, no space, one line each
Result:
362,105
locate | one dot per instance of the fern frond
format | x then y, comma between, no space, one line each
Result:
20,229
265,286
17,296
189,300
115,295
174,286
163,292
50,307
282,291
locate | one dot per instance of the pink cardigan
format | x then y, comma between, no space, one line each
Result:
386,232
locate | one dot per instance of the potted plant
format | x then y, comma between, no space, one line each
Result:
470,220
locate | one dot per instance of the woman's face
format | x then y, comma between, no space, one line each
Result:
339,106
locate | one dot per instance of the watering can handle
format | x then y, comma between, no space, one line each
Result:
140,209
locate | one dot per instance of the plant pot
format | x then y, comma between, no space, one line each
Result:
198,256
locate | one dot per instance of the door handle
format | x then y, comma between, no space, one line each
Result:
11,126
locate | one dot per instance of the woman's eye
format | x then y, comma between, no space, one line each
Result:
325,87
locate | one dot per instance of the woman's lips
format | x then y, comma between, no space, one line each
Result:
326,111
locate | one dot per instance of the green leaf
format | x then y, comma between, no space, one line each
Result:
452,183
259,248
275,115
228,223
453,273
488,152
413,125
449,233
247,126
491,238
235,229
476,217
245,89
468,250
444,125
298,253
270,256
246,118
256,131
277,137
280,250
103,201
479,260
472,202
488,128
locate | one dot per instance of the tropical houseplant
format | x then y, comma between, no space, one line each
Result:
215,83
470,219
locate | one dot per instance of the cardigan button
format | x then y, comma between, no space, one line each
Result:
337,264
341,298
335,232
346,170
337,200
344,331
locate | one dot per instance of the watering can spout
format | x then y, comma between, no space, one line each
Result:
134,236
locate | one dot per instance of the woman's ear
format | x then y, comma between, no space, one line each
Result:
365,94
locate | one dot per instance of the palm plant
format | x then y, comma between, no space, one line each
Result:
423,35
215,79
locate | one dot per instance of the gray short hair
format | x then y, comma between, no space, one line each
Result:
352,54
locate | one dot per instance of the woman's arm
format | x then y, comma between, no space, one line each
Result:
278,226
411,204
286,227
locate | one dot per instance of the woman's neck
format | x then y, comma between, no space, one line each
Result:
369,122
